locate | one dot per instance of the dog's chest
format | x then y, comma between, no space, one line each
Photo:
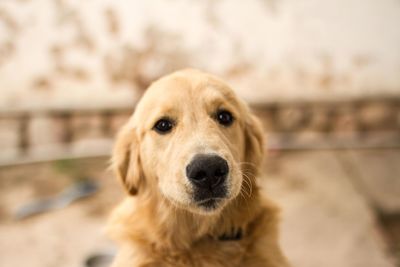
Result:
205,254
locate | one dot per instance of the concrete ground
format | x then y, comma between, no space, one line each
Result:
339,209
326,218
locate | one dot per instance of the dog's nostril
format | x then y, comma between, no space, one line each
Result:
200,175
217,181
207,171
221,171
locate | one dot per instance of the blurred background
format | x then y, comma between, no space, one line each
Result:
324,77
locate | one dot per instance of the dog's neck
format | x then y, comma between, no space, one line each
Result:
155,221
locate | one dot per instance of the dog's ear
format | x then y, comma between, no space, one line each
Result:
254,144
126,160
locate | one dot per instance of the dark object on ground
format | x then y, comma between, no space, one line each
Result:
76,191
99,260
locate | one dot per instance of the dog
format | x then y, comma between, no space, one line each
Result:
189,158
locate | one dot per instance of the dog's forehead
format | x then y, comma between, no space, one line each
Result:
184,87
169,87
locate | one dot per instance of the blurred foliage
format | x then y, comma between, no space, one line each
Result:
70,167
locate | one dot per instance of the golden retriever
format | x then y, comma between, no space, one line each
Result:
188,159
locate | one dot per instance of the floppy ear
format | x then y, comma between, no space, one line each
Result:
126,160
254,144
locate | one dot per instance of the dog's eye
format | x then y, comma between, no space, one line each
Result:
163,126
224,117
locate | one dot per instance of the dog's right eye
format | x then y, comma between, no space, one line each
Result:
163,126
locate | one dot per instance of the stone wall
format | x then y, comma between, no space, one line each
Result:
27,136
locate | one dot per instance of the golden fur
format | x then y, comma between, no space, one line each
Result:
158,225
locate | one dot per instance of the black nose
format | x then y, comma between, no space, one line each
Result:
207,171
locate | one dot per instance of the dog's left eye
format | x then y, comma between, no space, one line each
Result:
163,126
224,117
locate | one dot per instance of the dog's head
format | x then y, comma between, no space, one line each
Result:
191,140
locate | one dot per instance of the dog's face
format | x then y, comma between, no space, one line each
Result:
192,140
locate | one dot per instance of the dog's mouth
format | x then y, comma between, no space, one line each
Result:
210,203
210,199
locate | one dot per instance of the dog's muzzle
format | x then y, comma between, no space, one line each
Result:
208,173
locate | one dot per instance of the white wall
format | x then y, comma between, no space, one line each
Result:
57,54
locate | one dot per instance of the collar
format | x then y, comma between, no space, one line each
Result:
234,235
